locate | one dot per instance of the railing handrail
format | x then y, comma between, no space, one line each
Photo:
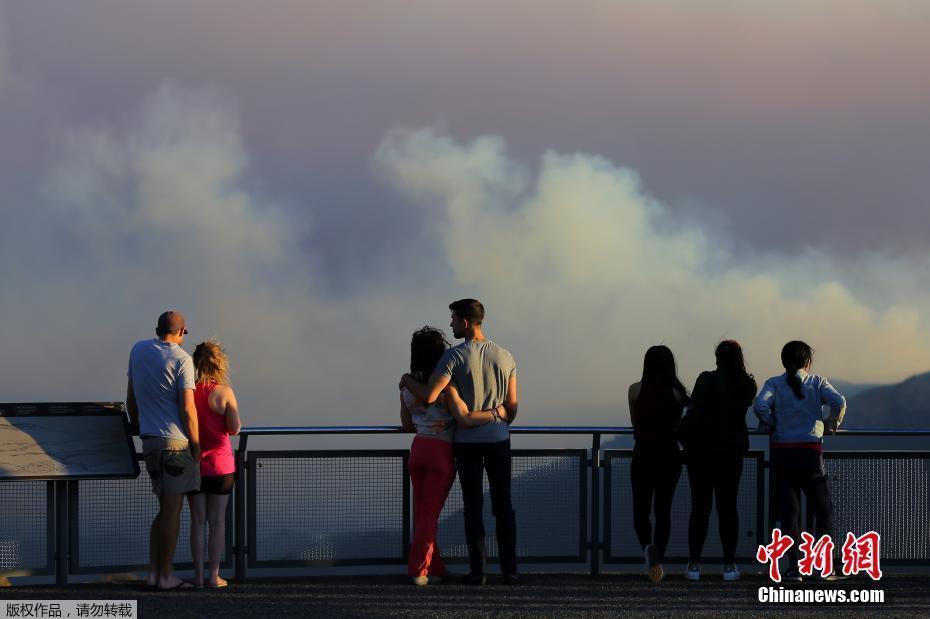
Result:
288,430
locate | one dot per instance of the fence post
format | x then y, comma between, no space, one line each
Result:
405,513
771,510
596,504
61,533
240,549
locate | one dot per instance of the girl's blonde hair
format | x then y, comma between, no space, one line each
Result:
211,363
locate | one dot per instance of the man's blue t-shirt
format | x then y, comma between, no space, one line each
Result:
159,371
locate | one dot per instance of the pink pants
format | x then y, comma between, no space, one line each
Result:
432,472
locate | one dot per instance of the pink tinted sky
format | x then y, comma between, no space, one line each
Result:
744,107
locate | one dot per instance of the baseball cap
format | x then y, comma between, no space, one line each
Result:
171,322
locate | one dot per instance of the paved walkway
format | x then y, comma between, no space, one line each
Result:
554,595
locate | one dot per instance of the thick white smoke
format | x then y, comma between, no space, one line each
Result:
588,271
156,216
579,269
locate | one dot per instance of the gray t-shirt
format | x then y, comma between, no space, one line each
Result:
481,372
159,371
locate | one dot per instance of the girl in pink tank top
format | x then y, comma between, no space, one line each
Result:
215,448
217,418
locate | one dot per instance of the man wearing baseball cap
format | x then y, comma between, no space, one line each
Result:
160,401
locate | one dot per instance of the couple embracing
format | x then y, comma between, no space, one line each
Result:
460,401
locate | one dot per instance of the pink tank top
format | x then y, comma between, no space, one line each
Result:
217,454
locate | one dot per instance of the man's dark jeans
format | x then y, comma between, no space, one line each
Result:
471,459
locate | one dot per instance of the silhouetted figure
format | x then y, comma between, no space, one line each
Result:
716,438
656,403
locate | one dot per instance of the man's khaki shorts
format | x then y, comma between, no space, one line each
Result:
170,466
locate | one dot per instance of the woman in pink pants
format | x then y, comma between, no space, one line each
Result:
431,465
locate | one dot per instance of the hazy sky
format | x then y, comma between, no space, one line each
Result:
312,181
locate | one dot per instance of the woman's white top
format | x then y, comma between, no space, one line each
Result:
799,421
433,421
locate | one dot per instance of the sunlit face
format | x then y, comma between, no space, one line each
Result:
458,325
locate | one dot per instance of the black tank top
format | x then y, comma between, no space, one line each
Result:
655,417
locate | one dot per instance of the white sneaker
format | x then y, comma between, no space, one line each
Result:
693,571
420,581
730,572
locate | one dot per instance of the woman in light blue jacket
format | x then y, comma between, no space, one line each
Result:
791,407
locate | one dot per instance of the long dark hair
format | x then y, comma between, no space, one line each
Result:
795,355
729,355
660,376
426,347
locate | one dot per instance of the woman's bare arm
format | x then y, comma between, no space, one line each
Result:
406,419
223,402
631,396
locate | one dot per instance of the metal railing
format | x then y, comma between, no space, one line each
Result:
334,508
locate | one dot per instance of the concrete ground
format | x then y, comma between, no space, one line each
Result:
552,595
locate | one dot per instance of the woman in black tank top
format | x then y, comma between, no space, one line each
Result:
656,403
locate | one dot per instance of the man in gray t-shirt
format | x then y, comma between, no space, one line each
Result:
486,377
481,371
160,401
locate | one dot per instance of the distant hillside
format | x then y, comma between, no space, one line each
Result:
904,405
851,390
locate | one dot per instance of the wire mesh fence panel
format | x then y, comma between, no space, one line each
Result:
24,542
622,543
327,507
315,507
354,508
886,493
549,495
114,518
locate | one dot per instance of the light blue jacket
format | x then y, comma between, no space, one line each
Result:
799,421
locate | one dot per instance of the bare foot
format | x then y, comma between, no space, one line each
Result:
151,579
174,582
219,583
